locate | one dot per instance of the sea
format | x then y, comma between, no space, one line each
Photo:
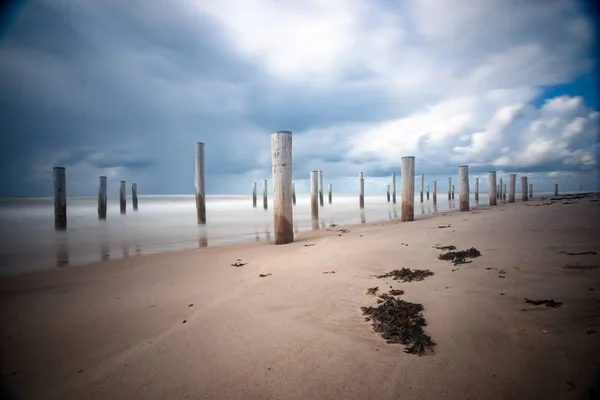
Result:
165,223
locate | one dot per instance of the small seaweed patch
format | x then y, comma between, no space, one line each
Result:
373,291
460,257
444,248
263,275
401,322
548,303
581,253
396,292
238,263
407,274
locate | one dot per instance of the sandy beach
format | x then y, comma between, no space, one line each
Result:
189,325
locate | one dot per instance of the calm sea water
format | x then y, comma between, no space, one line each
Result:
163,223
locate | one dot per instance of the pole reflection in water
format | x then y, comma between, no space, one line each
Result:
314,224
435,209
395,213
138,249
422,209
104,252
256,236
362,217
125,249
389,215
268,234
62,250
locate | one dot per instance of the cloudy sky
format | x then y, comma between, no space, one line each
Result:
125,89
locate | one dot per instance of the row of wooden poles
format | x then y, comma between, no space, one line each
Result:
284,194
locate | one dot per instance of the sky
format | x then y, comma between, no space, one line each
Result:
126,88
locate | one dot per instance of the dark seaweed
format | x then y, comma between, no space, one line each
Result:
547,303
406,274
460,257
449,247
372,291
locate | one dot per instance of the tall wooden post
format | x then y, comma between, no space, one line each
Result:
452,192
102,197
314,196
531,190
294,193
265,200
407,192
434,192
388,193
476,189
463,187
492,179
393,188
321,188
60,198
422,186
361,191
504,192
449,188
281,156
254,194
556,189
330,193
501,192
512,182
123,197
524,196
134,196
200,184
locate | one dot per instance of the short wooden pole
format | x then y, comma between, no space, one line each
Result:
434,192
388,193
449,188
393,188
512,182
134,196
452,192
531,190
476,189
524,196
427,192
463,187
200,184
123,197
492,182
254,194
361,191
504,192
330,193
407,191
422,187
265,199
314,196
60,198
281,151
102,197
321,188
294,193
556,189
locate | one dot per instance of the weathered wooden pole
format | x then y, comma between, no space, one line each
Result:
504,192
501,192
330,193
314,195
281,156
134,196
531,190
498,192
434,192
321,188
427,192
407,191
102,197
524,196
200,184
556,189
463,187
492,182
361,190
449,188
476,189
393,188
265,199
254,194
452,192
123,197
294,193
60,198
422,186
512,182
388,193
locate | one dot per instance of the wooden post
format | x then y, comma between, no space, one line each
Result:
361,191
556,189
393,188
60,198
254,194
449,188
504,192
281,156
434,192
531,190
330,192
492,182
524,196
476,189
134,197
265,200
294,193
501,192
407,191
321,188
123,197
421,188
388,193
463,187
498,191
200,183
427,192
314,196
452,192
102,196
512,182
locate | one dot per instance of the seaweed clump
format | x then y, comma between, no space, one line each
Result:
407,274
372,291
460,257
441,247
548,303
400,321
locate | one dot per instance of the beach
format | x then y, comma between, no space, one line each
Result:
188,324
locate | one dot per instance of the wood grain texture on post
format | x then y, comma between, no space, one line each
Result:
134,196
102,197
254,194
531,190
281,151
524,195
123,197
407,191
321,188
388,193
421,187
556,189
476,189
393,188
330,192
492,183
294,193
434,192
265,198
200,184
449,188
463,187
512,182
314,196
361,191
59,178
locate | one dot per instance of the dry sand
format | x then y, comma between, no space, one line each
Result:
115,330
